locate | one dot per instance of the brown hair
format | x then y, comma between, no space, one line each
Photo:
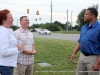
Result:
3,15
22,17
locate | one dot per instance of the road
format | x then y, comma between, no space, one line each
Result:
73,37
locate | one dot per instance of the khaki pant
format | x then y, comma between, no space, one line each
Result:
23,69
85,63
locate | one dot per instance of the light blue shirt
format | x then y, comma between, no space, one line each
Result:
8,49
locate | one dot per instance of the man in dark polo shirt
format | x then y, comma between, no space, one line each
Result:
89,45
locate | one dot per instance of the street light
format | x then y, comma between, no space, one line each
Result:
28,11
37,12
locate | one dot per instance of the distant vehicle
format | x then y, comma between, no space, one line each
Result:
32,30
45,31
37,29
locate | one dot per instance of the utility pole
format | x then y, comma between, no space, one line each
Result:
71,20
51,14
67,21
17,23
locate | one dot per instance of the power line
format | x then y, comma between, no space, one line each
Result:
29,9
20,6
12,4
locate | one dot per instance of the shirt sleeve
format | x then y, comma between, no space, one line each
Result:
5,50
79,40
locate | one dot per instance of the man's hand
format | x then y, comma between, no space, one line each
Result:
33,51
96,67
28,52
72,57
77,48
19,46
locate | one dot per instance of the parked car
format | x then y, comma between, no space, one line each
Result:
37,29
32,30
45,31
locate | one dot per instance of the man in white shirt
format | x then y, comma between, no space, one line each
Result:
25,60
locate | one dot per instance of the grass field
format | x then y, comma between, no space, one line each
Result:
65,32
57,53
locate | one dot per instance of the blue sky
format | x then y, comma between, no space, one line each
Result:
19,8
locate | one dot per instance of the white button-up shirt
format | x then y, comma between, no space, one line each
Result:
25,37
8,49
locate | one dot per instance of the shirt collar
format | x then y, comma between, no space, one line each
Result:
22,30
93,25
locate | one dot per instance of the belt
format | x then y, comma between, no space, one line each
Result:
88,54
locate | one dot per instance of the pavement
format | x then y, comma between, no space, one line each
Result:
73,37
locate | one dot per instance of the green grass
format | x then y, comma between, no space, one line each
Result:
57,53
65,32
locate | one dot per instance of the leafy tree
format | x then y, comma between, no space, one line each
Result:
59,24
30,27
14,27
67,23
50,27
80,20
60,29
53,27
94,6
76,27
35,25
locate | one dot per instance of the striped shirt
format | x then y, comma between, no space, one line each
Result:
25,37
